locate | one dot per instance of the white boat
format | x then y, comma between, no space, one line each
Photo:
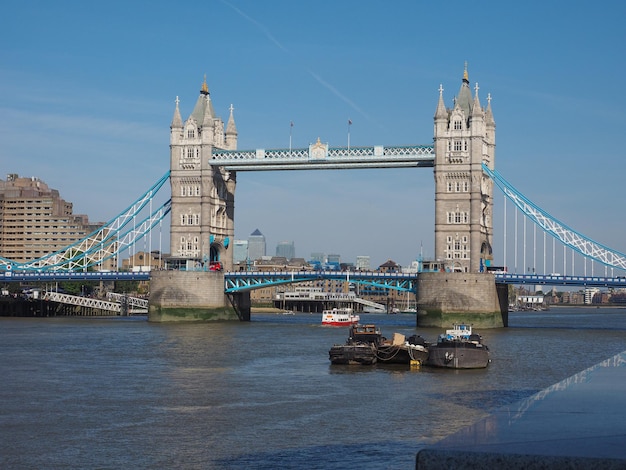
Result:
339,317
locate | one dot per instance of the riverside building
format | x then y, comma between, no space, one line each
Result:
35,221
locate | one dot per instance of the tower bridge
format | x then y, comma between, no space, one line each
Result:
204,162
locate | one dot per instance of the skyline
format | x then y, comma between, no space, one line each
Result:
88,93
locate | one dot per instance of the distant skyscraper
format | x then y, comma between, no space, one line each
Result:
286,249
240,251
256,245
333,258
363,263
319,257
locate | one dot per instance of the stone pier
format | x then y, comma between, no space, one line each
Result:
445,298
194,296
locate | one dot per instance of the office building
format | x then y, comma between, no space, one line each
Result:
240,251
363,263
256,245
286,249
35,221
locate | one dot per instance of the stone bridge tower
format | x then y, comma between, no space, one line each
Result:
202,218
465,137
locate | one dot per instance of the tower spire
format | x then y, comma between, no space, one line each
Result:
177,120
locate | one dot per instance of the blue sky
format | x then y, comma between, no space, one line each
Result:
87,94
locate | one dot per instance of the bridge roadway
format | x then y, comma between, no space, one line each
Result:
248,280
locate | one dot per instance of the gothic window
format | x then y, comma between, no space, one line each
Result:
182,219
465,186
449,146
457,146
191,133
197,190
458,186
449,240
457,125
465,144
196,219
183,190
189,153
189,219
450,186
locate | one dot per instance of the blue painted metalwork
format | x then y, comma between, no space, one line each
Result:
52,276
113,238
566,235
550,280
249,280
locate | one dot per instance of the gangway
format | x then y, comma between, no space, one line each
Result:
142,304
119,304
83,301
368,303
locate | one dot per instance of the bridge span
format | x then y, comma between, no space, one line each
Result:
241,281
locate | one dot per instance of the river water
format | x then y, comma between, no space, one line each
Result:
113,393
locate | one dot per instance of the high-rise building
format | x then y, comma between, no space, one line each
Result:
333,259
318,257
363,263
35,221
256,245
240,251
286,249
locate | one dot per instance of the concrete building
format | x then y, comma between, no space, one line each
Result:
256,245
240,251
363,263
286,249
464,140
35,221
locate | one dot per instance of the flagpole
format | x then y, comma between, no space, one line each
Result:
290,129
349,124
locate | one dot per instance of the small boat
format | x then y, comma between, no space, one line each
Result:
459,348
339,317
359,349
353,354
402,351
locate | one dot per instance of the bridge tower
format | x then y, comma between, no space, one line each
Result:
464,138
202,218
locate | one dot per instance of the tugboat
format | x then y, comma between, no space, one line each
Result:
459,348
359,349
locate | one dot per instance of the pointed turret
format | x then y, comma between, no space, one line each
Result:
203,105
441,112
177,120
488,113
231,131
464,100
476,109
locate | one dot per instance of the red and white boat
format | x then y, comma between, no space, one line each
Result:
339,317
